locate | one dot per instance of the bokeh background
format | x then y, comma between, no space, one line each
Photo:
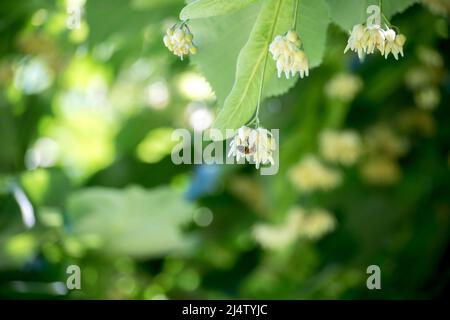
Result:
86,177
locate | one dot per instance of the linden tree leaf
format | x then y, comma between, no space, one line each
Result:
392,7
219,40
210,8
313,20
133,221
275,18
347,13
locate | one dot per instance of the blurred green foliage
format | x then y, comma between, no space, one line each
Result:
85,123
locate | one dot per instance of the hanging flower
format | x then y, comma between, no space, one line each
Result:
381,170
289,58
343,87
366,39
357,41
316,223
240,144
178,40
310,175
264,145
394,43
255,145
374,39
300,223
340,147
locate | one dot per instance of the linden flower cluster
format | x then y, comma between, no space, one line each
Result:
253,144
340,147
343,87
311,224
290,58
278,236
310,175
315,223
381,170
179,41
365,39
383,148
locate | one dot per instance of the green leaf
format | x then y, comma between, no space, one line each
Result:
347,13
275,18
134,221
392,7
313,20
210,8
220,40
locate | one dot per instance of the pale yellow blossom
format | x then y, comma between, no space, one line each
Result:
179,41
311,175
428,98
343,86
310,224
340,147
394,44
290,59
381,170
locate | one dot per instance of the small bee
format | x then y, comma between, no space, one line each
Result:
246,150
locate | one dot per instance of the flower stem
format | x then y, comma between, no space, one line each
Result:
261,88
294,25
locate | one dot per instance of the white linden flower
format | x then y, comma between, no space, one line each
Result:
179,41
289,58
278,236
264,144
341,147
311,175
428,98
316,223
381,170
343,86
374,39
394,44
365,39
357,40
311,224
253,144
240,144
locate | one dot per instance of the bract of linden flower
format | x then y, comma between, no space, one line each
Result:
290,59
253,144
178,40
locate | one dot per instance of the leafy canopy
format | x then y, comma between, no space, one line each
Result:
233,37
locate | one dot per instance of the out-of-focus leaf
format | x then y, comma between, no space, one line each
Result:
211,8
132,221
